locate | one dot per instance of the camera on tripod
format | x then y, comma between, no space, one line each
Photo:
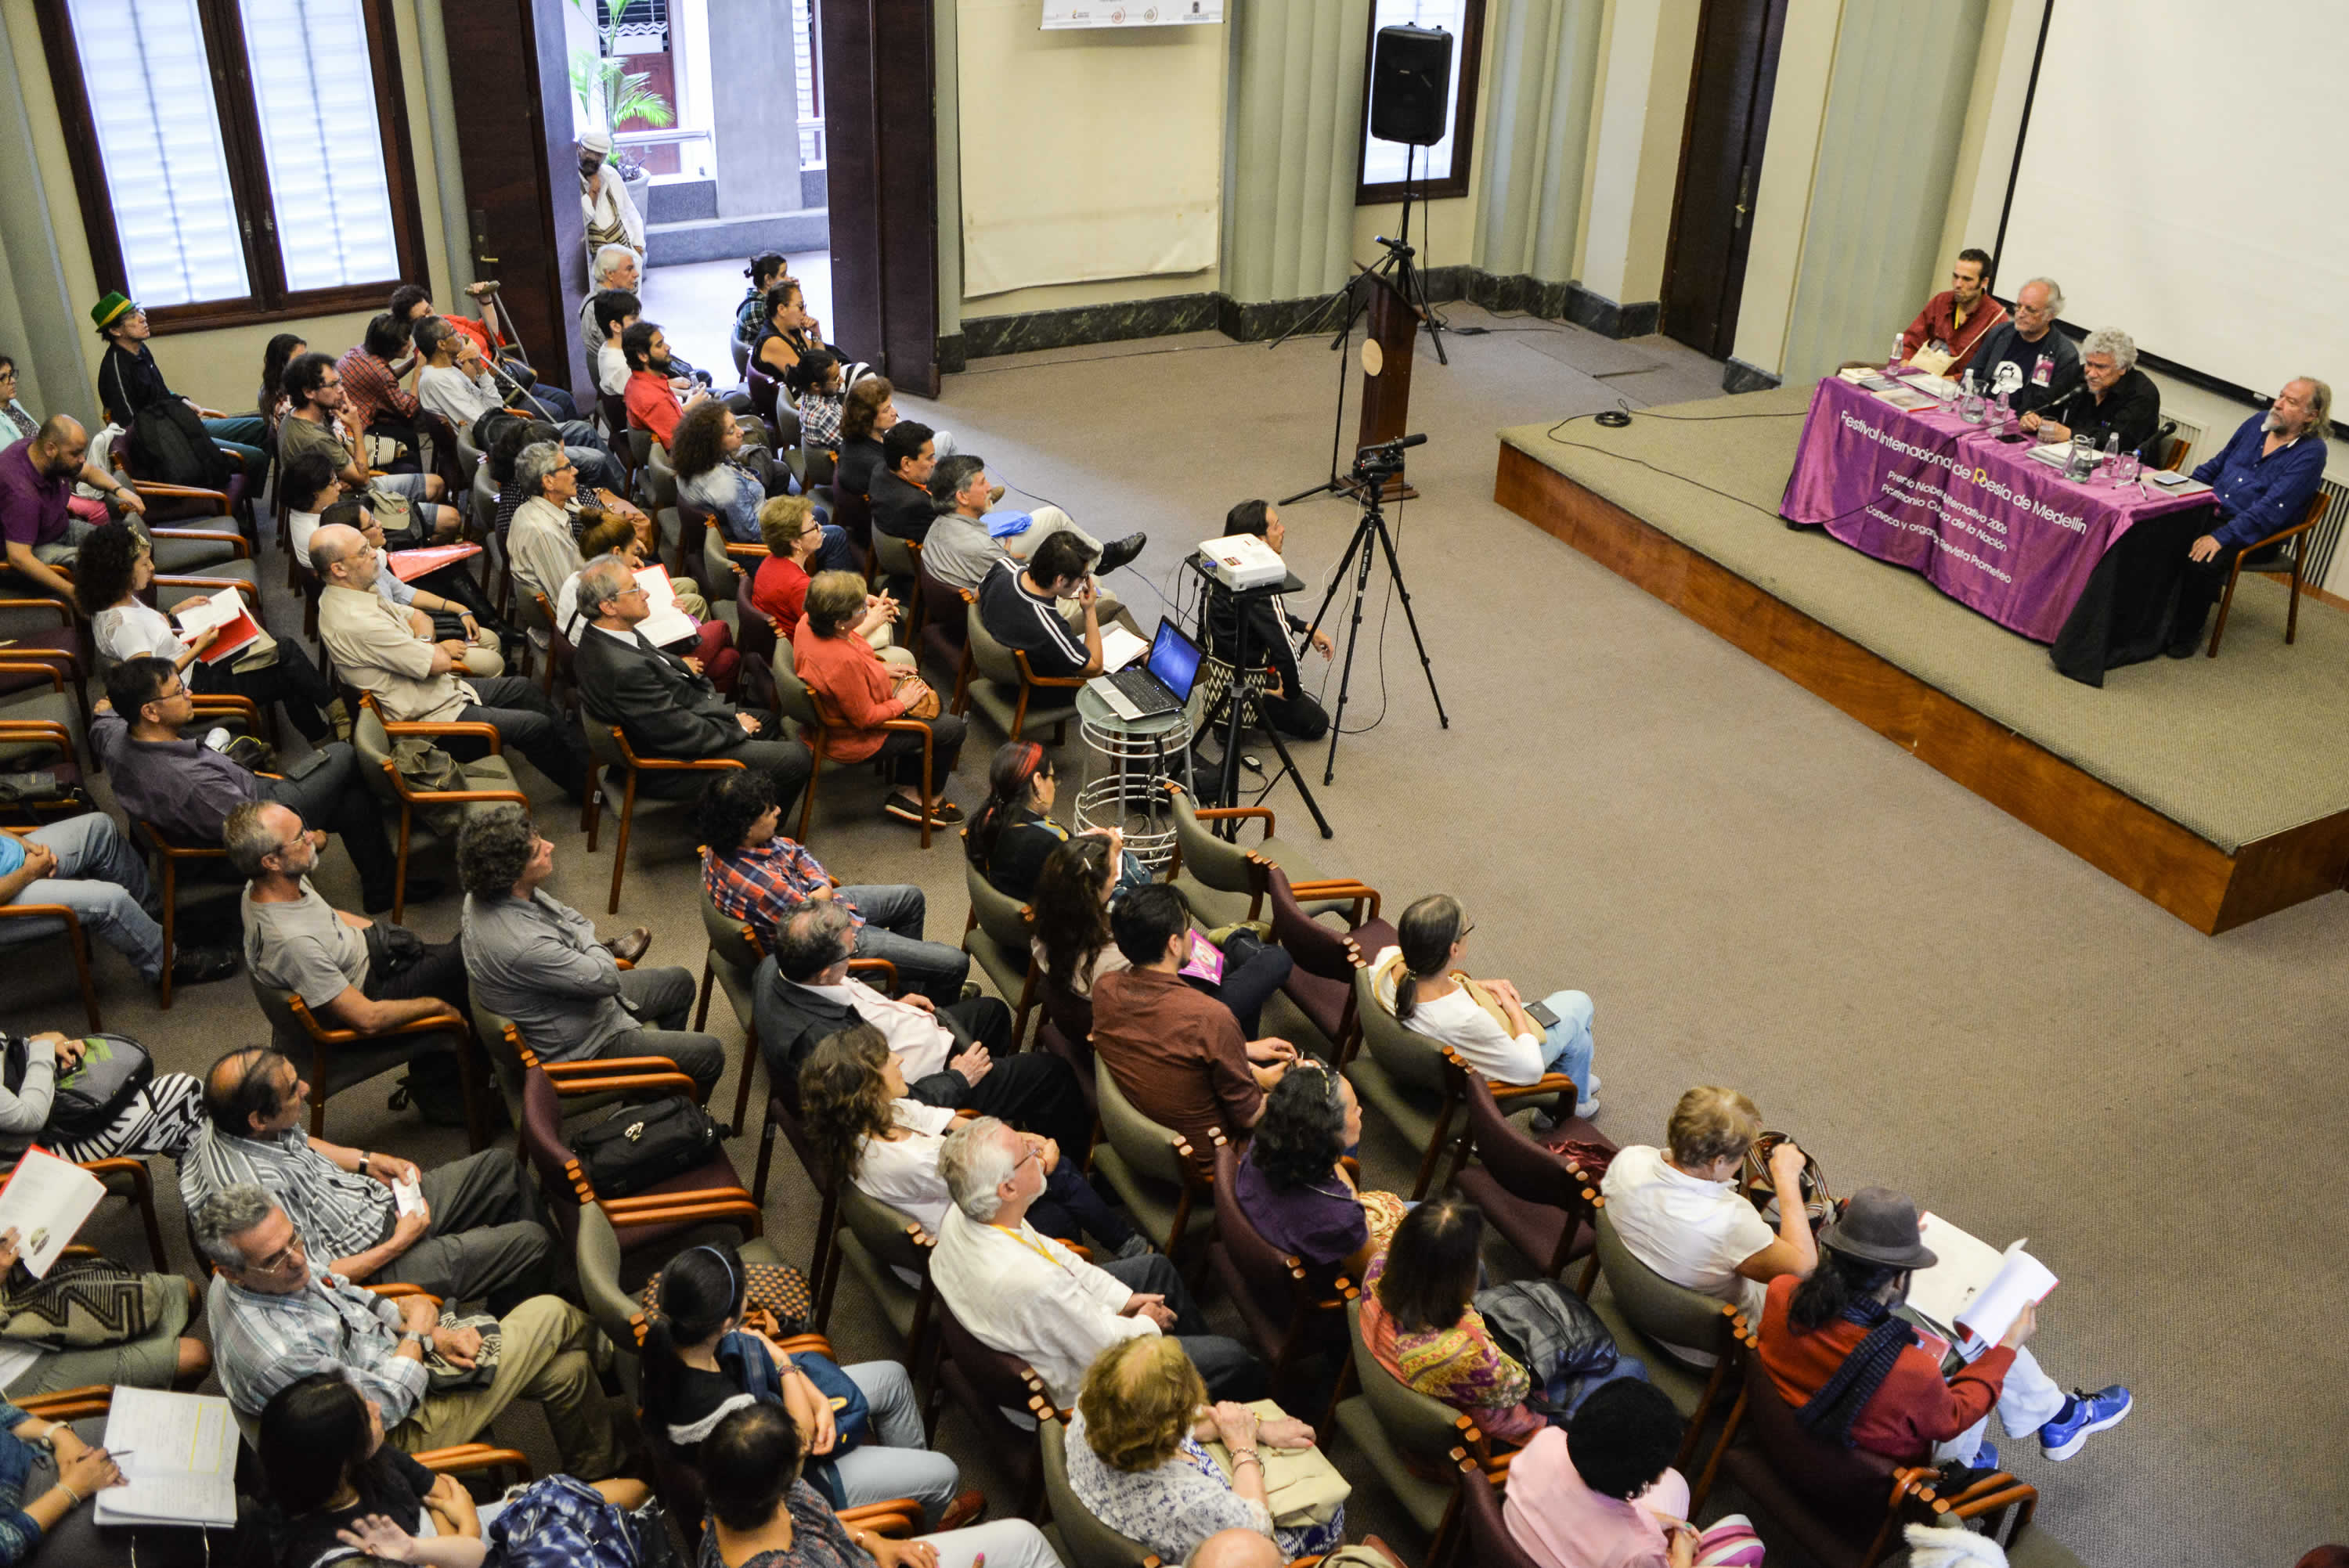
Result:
1382,458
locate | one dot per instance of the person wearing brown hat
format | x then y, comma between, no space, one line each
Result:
1856,1375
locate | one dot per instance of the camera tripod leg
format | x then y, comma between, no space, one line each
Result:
1410,620
1354,637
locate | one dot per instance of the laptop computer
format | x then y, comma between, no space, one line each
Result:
1161,683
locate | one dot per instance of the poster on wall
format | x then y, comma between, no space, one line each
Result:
1130,13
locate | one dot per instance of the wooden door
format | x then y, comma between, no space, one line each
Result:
512,91
1721,165
881,137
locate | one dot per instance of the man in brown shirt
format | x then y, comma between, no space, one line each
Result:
1176,1054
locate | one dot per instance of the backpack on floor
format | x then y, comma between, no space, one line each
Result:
435,1084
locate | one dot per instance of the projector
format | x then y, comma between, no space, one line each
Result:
1242,560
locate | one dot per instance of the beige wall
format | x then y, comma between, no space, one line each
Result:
1644,62
1782,201
219,369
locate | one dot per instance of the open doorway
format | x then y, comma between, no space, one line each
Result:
716,113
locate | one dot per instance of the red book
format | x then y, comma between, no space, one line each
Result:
408,565
225,610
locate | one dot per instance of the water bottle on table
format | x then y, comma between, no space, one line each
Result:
1898,357
2112,457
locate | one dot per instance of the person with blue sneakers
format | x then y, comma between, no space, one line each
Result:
1853,1370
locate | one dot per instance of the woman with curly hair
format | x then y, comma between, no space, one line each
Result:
1294,1183
719,471
868,1128
117,564
865,415
1138,1464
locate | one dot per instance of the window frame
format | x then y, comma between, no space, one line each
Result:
1470,43
268,299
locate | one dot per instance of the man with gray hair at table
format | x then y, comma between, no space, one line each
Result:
2115,398
1021,1291
2020,347
276,1319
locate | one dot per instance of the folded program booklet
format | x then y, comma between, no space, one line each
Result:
1976,1289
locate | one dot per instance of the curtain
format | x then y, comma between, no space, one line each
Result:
37,325
1888,150
1292,145
1537,131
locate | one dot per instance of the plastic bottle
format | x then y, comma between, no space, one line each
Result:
1898,357
2112,457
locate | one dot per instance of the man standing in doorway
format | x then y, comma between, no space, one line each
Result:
604,201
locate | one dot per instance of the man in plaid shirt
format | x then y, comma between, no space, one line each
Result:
371,388
763,876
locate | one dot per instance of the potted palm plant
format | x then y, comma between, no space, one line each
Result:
612,97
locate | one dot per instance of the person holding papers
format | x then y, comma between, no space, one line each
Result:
118,564
82,1472
92,1322
1943,338
1856,1372
665,705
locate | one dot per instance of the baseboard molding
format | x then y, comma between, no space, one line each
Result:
1737,376
1260,321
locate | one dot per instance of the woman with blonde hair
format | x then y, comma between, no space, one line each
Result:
1138,1464
797,544
841,666
1420,982
868,1126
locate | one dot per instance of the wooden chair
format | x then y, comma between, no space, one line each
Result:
942,615
1539,1200
784,1116
1011,695
67,649
1409,1439
137,1188
1153,1169
651,1221
816,716
1087,1542
608,746
23,925
766,397
1325,961
612,1295
2173,453
731,961
1485,1534
985,1382
1845,1506
1288,1311
996,937
489,781
2295,543
174,859
342,1058
1669,1317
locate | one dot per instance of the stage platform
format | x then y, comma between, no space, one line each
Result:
2218,788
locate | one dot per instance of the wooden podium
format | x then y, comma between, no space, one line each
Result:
1386,371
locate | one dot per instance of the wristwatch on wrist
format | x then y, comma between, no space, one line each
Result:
422,1339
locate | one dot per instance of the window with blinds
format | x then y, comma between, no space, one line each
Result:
236,159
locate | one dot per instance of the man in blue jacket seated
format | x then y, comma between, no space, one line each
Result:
2262,480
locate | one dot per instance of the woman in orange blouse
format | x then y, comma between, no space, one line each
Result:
865,693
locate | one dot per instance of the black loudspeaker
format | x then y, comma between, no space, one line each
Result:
1410,85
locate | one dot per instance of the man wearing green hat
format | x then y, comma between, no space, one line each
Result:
128,380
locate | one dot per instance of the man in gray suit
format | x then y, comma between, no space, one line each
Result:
664,704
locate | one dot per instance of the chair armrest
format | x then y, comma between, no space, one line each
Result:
229,702
189,492
897,1518
243,551
680,1208
43,911
472,726
460,797
63,610
467,1457
748,552
27,728
2281,534
1235,814
249,591
433,1024
33,667
685,765
69,1404
1340,887
672,1079
1548,1083
881,966
397,1291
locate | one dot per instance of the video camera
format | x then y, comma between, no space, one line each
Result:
1384,458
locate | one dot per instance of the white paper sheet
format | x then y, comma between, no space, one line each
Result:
45,1200
1120,648
178,1454
666,624
1976,1289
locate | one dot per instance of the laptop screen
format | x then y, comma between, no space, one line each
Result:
1175,659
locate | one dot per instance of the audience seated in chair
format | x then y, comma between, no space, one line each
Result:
665,705
85,865
1420,982
37,485
1678,1210
271,406
414,679
726,477
118,564
1604,1494
28,1517
616,537
818,386
321,418
1293,1183
959,551
866,414
334,1488
481,1232
188,789
856,1106
456,384
610,312
535,960
654,404
1022,609
540,542
805,992
788,331
91,1322
832,655
899,488
1012,833
702,1360
613,269
1420,1321
1018,1291
128,380
412,303
756,875
798,544
371,387
763,1514
767,269
160,1118
1272,632
276,1319
1074,947
444,605
1855,1374
1180,1056
1137,1460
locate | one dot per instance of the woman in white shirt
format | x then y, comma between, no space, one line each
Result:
117,564
1422,983
852,1099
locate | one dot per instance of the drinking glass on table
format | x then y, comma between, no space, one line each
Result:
2083,461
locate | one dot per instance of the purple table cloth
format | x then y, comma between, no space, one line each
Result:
1999,532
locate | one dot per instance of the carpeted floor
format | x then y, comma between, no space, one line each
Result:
2235,748
1756,890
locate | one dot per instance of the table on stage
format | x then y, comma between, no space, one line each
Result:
2086,566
